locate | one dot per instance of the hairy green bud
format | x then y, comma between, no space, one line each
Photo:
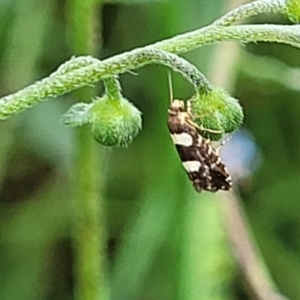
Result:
115,122
293,10
217,112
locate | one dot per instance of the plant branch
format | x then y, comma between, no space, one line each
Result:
75,74
286,34
252,9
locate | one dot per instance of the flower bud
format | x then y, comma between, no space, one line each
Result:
216,111
115,122
293,10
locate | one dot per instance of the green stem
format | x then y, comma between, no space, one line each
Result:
252,9
89,222
112,87
286,34
71,75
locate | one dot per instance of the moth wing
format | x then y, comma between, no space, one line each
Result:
220,178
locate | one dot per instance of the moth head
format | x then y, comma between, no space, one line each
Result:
177,106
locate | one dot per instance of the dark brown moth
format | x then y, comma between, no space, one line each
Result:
201,161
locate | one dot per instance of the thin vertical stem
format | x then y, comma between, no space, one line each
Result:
89,222
89,218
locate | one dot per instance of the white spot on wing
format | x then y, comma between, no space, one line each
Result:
209,150
183,139
191,166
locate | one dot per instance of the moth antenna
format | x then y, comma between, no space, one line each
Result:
170,86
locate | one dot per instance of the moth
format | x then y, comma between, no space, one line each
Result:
200,160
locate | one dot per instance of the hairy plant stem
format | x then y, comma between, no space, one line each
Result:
252,9
88,226
68,78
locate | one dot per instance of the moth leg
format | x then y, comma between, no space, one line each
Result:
218,149
189,107
201,128
189,110
209,130
193,124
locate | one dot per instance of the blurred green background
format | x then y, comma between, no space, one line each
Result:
164,241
